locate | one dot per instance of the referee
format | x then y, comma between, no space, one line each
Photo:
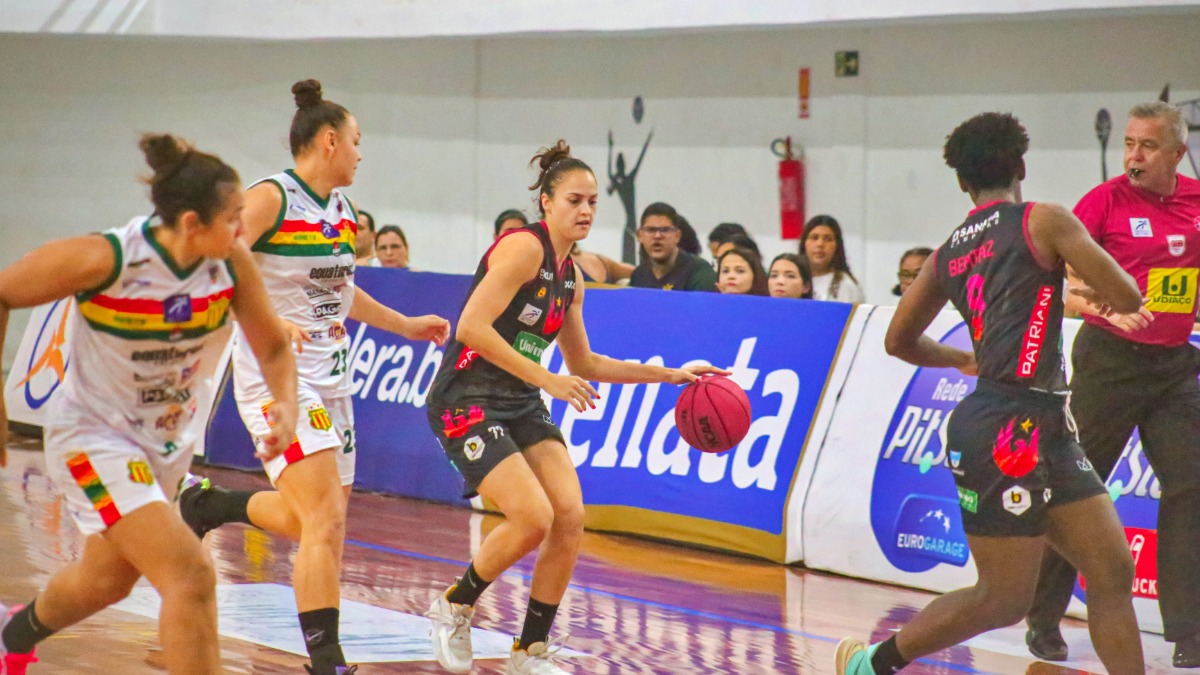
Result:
1138,370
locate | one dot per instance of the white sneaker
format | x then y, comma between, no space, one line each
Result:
451,634
540,659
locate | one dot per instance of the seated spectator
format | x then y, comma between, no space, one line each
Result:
364,241
688,241
599,268
391,246
910,266
790,277
822,244
740,272
721,234
738,241
509,220
664,265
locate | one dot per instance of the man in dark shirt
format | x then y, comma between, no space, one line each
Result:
664,265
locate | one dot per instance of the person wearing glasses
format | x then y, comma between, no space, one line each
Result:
665,265
910,266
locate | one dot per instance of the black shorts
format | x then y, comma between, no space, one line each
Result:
1014,457
477,437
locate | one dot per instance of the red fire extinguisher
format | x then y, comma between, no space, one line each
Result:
791,188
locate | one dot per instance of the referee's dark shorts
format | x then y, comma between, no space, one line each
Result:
1119,385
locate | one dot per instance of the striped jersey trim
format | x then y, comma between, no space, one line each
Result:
302,238
86,478
146,319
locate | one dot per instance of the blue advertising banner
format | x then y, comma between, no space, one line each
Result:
637,474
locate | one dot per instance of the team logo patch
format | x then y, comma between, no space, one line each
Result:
1017,500
177,309
329,231
139,472
541,292
955,458
529,315
1140,227
473,448
455,423
318,418
1171,289
1176,244
1016,449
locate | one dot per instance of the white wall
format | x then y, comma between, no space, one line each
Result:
450,123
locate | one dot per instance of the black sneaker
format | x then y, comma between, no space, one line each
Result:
1047,645
191,501
1187,652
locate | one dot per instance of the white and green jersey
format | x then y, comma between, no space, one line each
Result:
147,341
307,265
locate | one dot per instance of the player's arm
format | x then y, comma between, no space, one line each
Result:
583,362
57,270
918,307
513,262
263,210
1057,233
269,342
370,311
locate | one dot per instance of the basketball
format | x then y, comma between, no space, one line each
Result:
712,414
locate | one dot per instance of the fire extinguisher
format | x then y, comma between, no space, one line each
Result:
791,188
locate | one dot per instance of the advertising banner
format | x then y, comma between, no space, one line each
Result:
41,363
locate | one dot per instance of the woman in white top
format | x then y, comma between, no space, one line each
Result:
826,252
153,305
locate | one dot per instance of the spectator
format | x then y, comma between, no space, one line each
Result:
738,241
392,247
910,266
509,220
721,234
688,241
364,241
740,272
790,277
826,252
599,268
664,265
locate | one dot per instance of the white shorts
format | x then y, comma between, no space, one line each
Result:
103,474
323,424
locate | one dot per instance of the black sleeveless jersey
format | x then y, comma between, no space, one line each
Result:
529,323
1012,304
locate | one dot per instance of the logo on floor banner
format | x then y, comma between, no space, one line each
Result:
915,506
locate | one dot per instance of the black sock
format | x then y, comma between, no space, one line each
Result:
218,505
24,631
469,588
887,659
320,628
538,618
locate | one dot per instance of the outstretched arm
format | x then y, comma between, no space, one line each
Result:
370,311
918,307
57,270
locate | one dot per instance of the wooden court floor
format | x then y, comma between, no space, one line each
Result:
634,606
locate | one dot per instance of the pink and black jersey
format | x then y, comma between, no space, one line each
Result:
1011,301
1156,240
529,323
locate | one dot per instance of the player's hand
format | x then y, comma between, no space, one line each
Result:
574,390
1131,322
296,335
970,366
282,420
429,327
693,373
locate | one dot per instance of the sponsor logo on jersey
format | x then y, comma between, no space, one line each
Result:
473,448
968,499
456,424
317,291
169,421
969,231
167,355
327,309
1176,244
1017,500
329,231
1016,448
318,418
337,332
531,346
1035,333
153,396
334,272
545,274
1172,289
1140,227
529,315
139,472
466,359
177,309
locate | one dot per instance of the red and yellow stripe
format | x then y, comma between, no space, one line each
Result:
143,319
302,238
85,476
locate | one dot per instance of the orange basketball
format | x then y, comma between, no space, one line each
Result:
712,414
